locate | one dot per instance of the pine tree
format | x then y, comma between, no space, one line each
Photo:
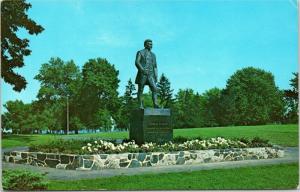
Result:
128,104
165,93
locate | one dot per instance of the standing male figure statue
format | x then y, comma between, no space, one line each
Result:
147,72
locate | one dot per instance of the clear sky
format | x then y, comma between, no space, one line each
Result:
198,44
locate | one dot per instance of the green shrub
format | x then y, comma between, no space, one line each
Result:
60,146
259,142
22,180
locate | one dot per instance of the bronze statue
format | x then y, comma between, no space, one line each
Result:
147,72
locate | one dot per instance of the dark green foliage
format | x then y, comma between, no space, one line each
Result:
186,111
210,108
13,49
291,101
72,146
58,79
128,104
180,139
60,86
19,179
259,142
99,92
165,93
251,98
26,118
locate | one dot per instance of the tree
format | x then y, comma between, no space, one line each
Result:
27,118
60,86
128,104
165,93
250,98
13,49
291,101
99,91
187,109
58,79
14,115
210,107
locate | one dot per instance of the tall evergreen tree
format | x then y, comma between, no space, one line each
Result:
128,104
13,48
165,93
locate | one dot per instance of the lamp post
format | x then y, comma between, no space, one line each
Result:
67,115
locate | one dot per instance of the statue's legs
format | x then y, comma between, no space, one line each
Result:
140,95
154,91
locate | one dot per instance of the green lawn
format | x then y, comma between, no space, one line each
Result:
283,176
285,135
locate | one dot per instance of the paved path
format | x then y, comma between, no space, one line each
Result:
291,155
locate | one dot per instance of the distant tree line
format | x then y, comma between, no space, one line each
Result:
90,95
249,98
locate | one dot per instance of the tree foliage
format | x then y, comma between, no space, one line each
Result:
165,93
60,86
128,104
24,118
186,110
210,108
58,79
13,49
99,91
250,98
291,101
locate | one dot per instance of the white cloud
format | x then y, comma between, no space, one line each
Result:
110,39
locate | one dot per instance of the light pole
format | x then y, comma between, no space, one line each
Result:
67,115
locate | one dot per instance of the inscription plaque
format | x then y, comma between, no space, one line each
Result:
151,125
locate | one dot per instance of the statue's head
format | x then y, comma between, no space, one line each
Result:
148,44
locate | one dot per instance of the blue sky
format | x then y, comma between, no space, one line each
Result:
198,44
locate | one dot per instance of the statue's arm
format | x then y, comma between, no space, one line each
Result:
138,61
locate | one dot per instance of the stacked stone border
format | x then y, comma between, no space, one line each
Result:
130,160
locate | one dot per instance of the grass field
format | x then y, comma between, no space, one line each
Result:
284,135
284,176
260,177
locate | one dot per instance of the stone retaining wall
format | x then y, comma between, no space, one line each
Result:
130,160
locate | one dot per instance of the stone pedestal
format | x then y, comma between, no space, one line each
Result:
151,125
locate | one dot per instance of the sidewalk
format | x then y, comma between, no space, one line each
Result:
291,156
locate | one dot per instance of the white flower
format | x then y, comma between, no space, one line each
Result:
95,149
95,142
89,148
83,148
89,144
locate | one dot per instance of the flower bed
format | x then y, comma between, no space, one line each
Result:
98,147
94,146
